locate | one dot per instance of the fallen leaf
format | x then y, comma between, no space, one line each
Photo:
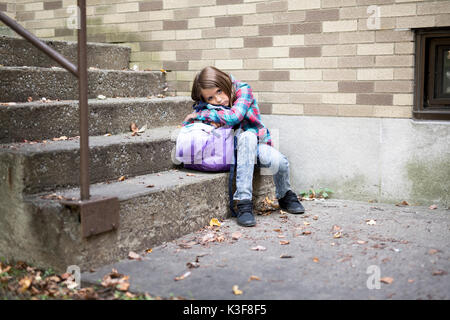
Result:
259,248
337,235
24,283
403,203
148,251
236,290
336,228
193,264
134,256
371,222
433,207
254,278
411,280
432,251
306,232
306,223
439,273
236,235
190,175
183,276
101,97
284,242
361,242
29,99
214,222
122,178
315,218
315,259
286,256
150,186
387,280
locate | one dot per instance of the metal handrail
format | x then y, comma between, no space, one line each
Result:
80,72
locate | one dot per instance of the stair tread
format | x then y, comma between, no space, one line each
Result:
61,69
73,143
135,186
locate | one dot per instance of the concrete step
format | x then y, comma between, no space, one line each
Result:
43,166
19,52
38,120
46,233
17,84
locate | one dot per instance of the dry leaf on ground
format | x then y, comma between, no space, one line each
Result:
183,276
214,222
236,290
134,256
387,280
259,248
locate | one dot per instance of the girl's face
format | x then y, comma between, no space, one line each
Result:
215,96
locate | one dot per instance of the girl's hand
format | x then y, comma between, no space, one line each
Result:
191,116
217,124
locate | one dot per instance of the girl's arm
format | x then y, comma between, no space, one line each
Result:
244,99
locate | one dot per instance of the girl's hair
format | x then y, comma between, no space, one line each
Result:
211,77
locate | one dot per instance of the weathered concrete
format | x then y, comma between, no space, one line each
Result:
54,164
387,160
48,234
19,83
19,52
39,121
408,244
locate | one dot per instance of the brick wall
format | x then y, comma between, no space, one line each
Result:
302,57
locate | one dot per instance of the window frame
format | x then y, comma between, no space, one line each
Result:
426,42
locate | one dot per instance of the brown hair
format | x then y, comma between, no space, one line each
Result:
211,77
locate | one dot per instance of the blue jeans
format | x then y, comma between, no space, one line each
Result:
247,152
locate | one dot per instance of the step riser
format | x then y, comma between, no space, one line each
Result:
53,233
19,52
45,171
38,121
17,84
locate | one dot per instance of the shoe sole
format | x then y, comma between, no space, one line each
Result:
252,224
292,212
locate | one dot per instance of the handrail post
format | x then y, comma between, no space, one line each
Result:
83,103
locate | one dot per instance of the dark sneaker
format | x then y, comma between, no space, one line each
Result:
290,203
245,213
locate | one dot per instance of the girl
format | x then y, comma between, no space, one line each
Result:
214,87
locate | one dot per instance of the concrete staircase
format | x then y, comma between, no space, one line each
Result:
39,159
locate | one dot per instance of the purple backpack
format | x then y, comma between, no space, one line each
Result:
202,147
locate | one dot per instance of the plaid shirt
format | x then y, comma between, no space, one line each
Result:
245,113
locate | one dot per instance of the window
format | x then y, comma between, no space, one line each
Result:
432,74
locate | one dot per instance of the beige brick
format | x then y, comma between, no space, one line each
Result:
172,4
303,4
213,11
357,37
137,16
44,33
289,17
185,75
394,36
241,9
272,30
216,54
339,50
175,25
322,62
278,108
258,42
392,112
442,20
216,33
196,23
306,75
289,86
353,13
398,86
339,74
128,27
230,43
398,10
273,97
163,35
384,23
356,62
150,26
404,74
114,18
323,15
338,3
246,75
321,38
340,26
258,64
401,99
339,98
200,64
257,19
127,7
355,111
305,98
188,34
415,22
302,52
356,86
262,86
375,48
245,31
229,64
288,63
164,55
394,61
41,15
244,53
160,15
34,6
288,40
404,48
320,109
273,75
374,99
274,52
375,74
433,8
272,6
321,86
